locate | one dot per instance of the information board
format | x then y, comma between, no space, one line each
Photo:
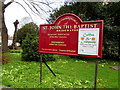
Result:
64,37
88,41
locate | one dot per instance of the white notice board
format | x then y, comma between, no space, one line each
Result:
88,41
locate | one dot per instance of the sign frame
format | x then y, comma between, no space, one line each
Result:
59,21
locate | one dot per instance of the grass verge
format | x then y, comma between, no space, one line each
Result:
71,73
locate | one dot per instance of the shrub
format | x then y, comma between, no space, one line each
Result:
111,42
30,49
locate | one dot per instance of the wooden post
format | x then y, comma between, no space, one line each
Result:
96,72
41,69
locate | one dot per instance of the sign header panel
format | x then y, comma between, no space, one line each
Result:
63,36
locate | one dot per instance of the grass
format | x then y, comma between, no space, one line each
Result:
70,73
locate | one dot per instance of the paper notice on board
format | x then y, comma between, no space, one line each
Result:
88,41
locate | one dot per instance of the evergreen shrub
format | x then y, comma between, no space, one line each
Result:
30,49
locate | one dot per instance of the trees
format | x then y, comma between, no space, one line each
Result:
28,37
34,6
4,29
114,14
112,30
86,11
29,28
98,11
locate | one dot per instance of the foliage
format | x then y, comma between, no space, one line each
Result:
28,37
111,42
86,11
30,49
70,73
29,28
113,13
98,11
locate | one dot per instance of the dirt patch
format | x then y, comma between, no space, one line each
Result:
6,88
115,68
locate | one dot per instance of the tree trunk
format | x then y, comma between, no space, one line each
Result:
4,33
15,33
0,32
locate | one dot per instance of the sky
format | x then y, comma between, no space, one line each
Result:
15,11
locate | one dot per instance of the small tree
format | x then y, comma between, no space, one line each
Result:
30,28
30,49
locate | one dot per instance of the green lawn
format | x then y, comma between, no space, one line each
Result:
70,73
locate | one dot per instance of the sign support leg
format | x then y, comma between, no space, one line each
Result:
49,68
41,69
96,72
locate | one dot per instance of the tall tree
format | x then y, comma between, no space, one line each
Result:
4,29
34,6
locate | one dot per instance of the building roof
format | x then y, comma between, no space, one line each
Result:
10,37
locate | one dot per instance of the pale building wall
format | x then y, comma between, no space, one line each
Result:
10,42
